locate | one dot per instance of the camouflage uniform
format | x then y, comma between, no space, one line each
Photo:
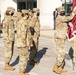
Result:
21,42
34,26
8,35
60,34
60,38
16,17
29,37
30,14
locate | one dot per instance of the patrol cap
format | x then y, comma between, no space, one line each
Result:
10,8
36,10
19,14
16,14
30,13
24,11
60,9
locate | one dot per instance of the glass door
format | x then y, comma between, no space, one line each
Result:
67,5
26,4
21,5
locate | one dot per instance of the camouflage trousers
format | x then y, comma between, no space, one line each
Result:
9,51
29,41
34,49
23,58
60,48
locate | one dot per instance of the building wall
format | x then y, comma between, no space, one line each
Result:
5,4
46,10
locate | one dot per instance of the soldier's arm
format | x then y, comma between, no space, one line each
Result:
5,31
37,29
11,30
2,23
68,18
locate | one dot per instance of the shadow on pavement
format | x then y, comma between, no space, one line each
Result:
15,62
29,68
70,54
40,54
37,59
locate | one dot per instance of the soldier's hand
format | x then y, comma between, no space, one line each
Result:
73,14
35,39
8,42
74,10
35,35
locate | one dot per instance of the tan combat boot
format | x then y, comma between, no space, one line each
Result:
8,67
32,62
23,73
56,69
62,70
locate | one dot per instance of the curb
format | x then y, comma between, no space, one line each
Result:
47,36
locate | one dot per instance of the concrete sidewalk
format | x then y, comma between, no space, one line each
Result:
46,57
47,33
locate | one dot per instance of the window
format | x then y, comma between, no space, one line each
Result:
67,5
21,5
26,4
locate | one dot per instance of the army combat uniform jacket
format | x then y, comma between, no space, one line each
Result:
8,29
22,30
61,26
60,36
34,27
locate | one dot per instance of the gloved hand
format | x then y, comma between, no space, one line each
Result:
74,10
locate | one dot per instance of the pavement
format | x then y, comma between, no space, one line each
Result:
46,57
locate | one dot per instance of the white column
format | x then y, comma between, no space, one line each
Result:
5,4
46,12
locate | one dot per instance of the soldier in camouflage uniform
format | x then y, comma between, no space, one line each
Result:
16,17
8,35
29,37
34,25
60,38
21,42
30,14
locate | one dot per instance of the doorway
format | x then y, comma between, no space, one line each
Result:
26,4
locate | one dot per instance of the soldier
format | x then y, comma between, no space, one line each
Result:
29,37
34,25
21,42
16,17
60,38
30,14
8,35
